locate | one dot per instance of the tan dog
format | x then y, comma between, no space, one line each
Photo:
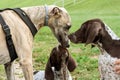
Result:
58,21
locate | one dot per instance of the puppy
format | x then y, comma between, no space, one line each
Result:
58,66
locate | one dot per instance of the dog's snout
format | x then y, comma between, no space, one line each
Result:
70,36
69,24
65,44
73,38
68,46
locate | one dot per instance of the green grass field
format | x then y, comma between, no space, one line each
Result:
80,11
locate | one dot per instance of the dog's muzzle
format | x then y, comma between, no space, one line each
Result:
64,42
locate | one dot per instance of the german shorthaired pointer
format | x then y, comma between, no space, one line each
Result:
95,32
58,66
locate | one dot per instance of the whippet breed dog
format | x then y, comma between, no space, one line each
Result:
56,18
59,65
96,32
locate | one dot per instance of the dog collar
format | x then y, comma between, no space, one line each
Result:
46,16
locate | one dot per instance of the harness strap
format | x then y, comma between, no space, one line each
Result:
6,29
26,19
9,41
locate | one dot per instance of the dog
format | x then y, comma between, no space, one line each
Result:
58,66
56,18
96,32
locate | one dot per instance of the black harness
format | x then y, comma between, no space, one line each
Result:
8,36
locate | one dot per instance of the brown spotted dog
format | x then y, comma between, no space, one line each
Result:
96,32
59,65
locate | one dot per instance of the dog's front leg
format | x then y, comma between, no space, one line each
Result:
27,68
9,69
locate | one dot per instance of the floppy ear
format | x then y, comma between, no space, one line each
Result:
53,57
92,32
55,12
71,64
49,75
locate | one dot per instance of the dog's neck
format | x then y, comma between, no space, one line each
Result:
37,14
110,43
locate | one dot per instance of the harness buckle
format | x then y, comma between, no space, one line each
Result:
9,41
6,30
8,35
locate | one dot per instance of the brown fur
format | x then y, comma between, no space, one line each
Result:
93,31
59,58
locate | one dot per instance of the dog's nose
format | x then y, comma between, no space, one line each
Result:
69,36
65,45
68,46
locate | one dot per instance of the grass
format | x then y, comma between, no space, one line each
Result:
81,11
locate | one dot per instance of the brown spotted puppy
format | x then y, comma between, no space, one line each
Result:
59,65
95,32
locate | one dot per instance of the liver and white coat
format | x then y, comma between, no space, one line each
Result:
58,66
95,32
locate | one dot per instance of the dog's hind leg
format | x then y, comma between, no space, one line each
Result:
9,69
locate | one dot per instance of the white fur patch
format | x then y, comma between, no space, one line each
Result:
57,48
40,75
57,73
111,33
106,62
106,67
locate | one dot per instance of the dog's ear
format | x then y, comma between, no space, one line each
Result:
53,57
92,32
71,64
49,75
56,12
